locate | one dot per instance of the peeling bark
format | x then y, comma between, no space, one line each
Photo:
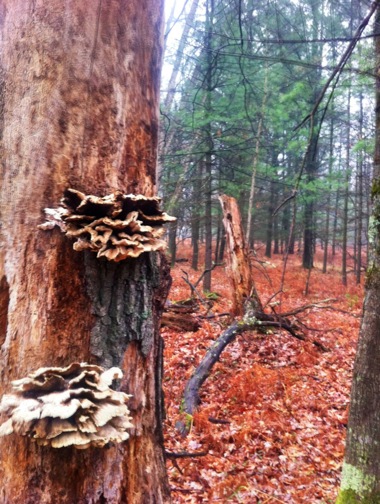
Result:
79,88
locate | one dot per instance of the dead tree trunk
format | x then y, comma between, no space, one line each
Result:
79,108
238,263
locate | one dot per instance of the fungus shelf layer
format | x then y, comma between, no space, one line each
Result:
67,406
116,226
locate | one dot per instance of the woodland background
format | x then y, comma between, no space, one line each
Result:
238,116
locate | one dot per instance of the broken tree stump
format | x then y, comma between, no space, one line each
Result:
238,262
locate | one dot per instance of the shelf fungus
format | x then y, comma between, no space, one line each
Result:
71,406
116,226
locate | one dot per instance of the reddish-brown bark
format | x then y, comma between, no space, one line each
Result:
79,89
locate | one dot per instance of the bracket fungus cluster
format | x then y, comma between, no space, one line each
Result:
67,406
116,226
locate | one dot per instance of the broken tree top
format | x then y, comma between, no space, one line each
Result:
116,226
67,406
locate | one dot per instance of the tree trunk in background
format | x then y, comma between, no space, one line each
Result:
269,230
346,195
276,234
291,243
208,223
328,204
309,231
173,242
359,204
195,215
311,165
256,158
361,468
335,223
75,114
209,148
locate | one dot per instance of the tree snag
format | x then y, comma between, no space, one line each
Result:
79,86
238,262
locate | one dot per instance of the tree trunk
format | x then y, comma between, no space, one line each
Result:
328,210
309,231
74,114
209,147
238,263
195,216
311,165
346,193
269,223
361,468
359,199
256,158
173,242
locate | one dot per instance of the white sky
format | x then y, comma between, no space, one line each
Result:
175,33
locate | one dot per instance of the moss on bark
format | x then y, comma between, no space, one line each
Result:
351,497
357,487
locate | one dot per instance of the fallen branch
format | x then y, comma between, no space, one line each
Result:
218,421
319,305
251,321
173,455
215,315
193,289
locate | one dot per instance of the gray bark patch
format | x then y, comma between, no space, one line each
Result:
122,296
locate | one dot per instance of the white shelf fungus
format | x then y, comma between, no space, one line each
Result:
116,226
67,406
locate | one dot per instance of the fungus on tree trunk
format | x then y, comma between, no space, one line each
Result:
115,226
67,406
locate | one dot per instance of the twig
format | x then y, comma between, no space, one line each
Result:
194,290
272,297
215,315
218,420
185,490
174,455
293,195
319,305
206,271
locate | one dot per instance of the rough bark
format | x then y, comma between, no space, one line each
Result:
361,468
79,96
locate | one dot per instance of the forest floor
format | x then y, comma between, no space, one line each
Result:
285,400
